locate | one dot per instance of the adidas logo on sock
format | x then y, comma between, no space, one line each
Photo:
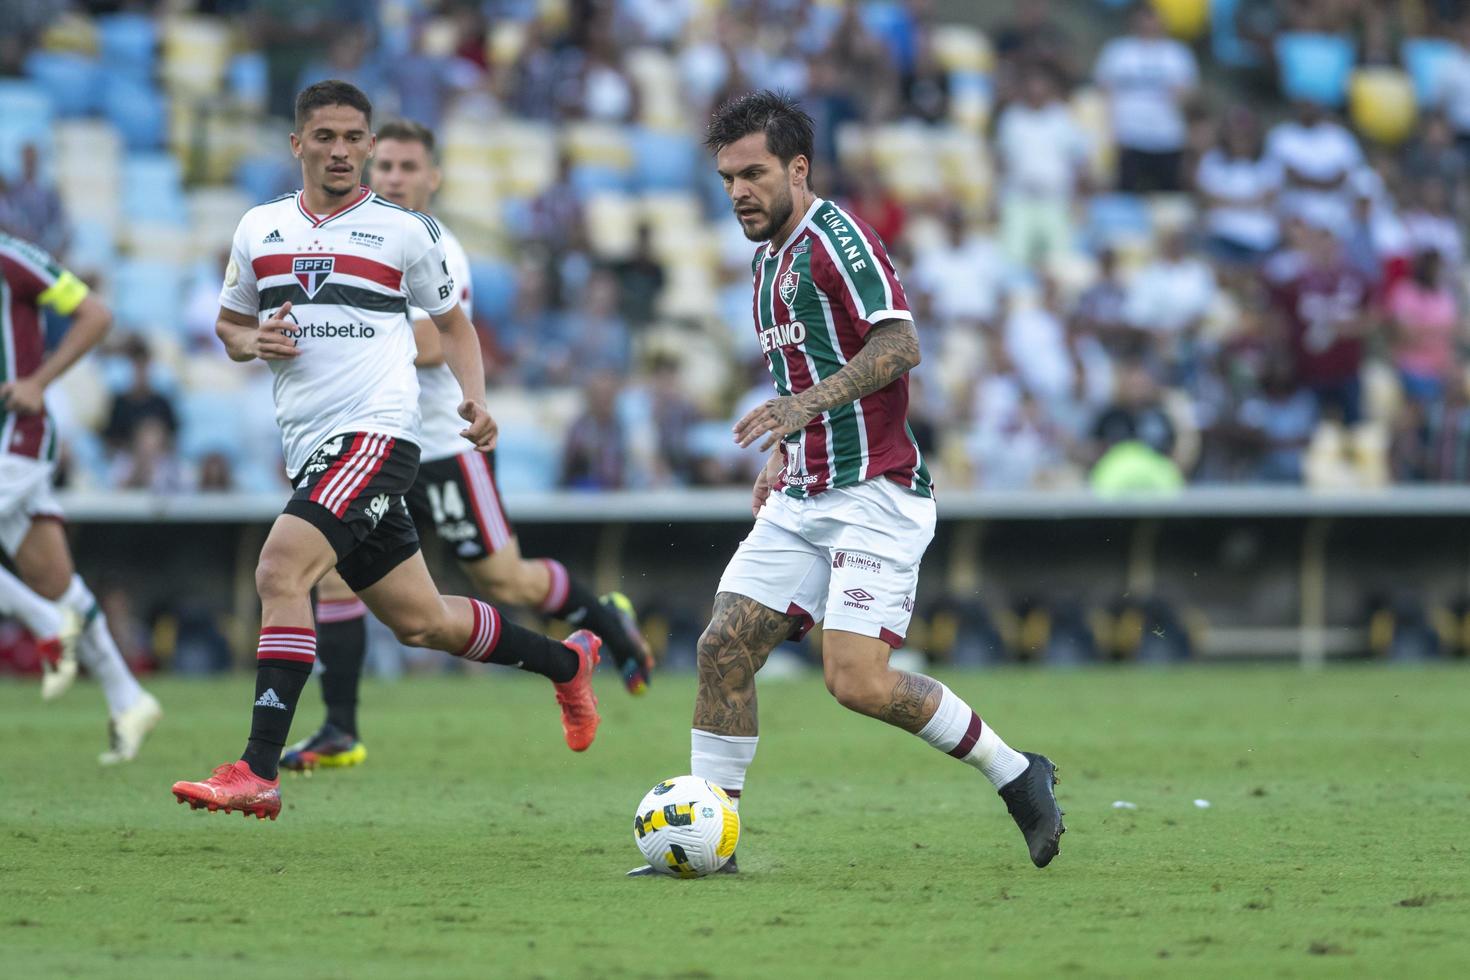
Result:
269,700
274,238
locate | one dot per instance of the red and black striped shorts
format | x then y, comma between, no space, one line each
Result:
352,490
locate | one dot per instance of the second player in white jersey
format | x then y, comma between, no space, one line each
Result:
439,421
350,277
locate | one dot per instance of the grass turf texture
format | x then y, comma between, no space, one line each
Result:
473,843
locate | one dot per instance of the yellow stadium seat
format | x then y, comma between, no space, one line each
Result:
961,47
1381,104
196,51
612,224
1185,19
660,94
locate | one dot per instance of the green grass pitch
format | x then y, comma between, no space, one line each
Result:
472,843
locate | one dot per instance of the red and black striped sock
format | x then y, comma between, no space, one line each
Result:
493,640
282,668
572,602
341,646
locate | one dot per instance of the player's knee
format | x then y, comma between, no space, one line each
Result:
423,628
279,579
50,583
507,585
854,689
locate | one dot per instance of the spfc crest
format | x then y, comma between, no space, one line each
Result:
789,282
312,271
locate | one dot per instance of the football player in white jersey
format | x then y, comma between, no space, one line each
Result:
456,494
318,286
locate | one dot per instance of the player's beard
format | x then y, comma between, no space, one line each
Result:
780,213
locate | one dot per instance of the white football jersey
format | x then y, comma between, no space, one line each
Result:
439,392
350,277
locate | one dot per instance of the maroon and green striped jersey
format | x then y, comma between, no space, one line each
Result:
816,298
29,280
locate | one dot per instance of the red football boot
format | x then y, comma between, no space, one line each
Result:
579,717
233,787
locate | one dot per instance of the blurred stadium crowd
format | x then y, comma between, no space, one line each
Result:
1190,241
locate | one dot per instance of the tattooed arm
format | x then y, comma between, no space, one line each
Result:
890,351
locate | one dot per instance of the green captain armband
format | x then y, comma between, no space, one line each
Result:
65,294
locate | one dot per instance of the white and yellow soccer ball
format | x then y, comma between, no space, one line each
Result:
686,827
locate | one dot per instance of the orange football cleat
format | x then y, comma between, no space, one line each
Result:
579,717
233,787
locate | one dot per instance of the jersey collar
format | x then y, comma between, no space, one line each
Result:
801,225
363,193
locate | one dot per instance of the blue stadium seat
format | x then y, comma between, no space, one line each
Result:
25,117
74,83
248,78
1315,67
664,161
1226,44
494,286
526,461
209,423
137,109
146,295
892,24
1111,217
591,179
129,45
1424,58
153,189
265,177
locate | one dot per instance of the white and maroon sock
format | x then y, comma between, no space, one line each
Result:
41,616
98,652
722,760
957,730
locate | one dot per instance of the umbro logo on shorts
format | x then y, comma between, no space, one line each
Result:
858,598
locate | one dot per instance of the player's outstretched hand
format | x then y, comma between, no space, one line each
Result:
23,397
482,430
272,342
779,417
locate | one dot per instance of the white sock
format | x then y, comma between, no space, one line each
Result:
41,616
956,730
722,759
98,652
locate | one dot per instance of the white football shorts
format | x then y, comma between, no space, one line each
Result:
25,494
847,558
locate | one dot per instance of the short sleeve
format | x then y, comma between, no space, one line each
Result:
427,281
39,278
239,292
857,272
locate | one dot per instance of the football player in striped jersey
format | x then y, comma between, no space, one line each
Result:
844,507
456,494
49,596
318,286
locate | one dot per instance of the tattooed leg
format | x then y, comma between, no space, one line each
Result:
740,636
857,673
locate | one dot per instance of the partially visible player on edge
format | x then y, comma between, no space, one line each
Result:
49,597
319,285
456,494
844,507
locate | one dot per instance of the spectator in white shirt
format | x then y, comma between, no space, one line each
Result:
1318,157
1041,153
962,275
1431,226
1148,77
1238,186
1169,297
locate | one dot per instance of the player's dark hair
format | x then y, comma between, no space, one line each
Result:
787,127
407,131
331,92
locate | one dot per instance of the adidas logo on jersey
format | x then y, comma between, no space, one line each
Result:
269,700
274,238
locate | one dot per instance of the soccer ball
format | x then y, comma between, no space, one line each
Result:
686,827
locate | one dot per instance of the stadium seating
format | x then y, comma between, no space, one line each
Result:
1315,67
1381,104
1424,58
71,81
